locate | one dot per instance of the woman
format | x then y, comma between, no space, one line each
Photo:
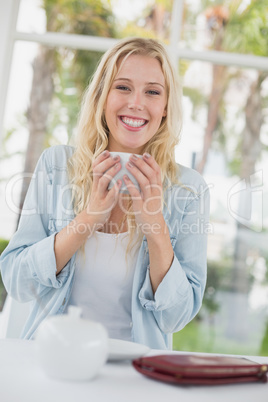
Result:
135,262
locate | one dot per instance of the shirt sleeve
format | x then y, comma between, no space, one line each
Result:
178,297
28,264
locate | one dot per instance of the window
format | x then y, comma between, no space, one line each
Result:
221,50
233,318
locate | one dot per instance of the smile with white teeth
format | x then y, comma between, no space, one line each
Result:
133,122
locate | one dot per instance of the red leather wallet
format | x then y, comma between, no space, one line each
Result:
201,370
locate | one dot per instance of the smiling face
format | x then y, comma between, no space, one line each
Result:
136,104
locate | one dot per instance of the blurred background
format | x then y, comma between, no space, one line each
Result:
49,51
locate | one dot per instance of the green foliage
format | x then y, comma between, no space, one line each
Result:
205,337
264,345
247,30
3,244
208,335
198,99
75,67
183,67
244,32
218,277
167,4
5,154
64,108
235,165
136,30
219,273
85,17
188,338
205,334
138,27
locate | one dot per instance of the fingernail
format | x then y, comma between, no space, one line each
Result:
134,157
105,153
130,165
146,155
116,158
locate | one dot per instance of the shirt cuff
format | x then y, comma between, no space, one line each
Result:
172,289
43,263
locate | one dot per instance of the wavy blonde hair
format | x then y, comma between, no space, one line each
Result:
92,130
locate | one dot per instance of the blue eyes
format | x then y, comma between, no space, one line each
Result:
151,92
124,88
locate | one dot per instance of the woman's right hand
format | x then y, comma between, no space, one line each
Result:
98,211
102,200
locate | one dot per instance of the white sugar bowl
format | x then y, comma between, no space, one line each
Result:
71,348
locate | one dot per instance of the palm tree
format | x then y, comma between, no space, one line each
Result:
242,32
217,18
235,31
84,17
44,66
152,23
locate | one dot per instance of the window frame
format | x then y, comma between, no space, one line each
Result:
8,20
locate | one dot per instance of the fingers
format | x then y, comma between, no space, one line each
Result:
135,195
104,169
113,193
146,203
148,166
146,171
132,188
104,155
108,176
103,162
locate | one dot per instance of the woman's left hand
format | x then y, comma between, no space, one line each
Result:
147,203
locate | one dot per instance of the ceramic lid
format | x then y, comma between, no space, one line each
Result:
71,327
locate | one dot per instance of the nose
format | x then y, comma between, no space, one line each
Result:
135,102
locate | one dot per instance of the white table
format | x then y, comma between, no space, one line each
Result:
22,380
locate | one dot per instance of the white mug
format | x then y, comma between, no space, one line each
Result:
124,158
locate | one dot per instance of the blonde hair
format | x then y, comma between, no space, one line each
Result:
92,130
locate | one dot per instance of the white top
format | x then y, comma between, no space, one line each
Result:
103,282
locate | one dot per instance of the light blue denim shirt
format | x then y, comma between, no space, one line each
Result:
28,264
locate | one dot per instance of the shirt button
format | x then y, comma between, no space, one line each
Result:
131,324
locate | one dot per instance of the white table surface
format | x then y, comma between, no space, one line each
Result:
21,380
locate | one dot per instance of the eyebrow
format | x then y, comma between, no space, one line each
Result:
147,83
